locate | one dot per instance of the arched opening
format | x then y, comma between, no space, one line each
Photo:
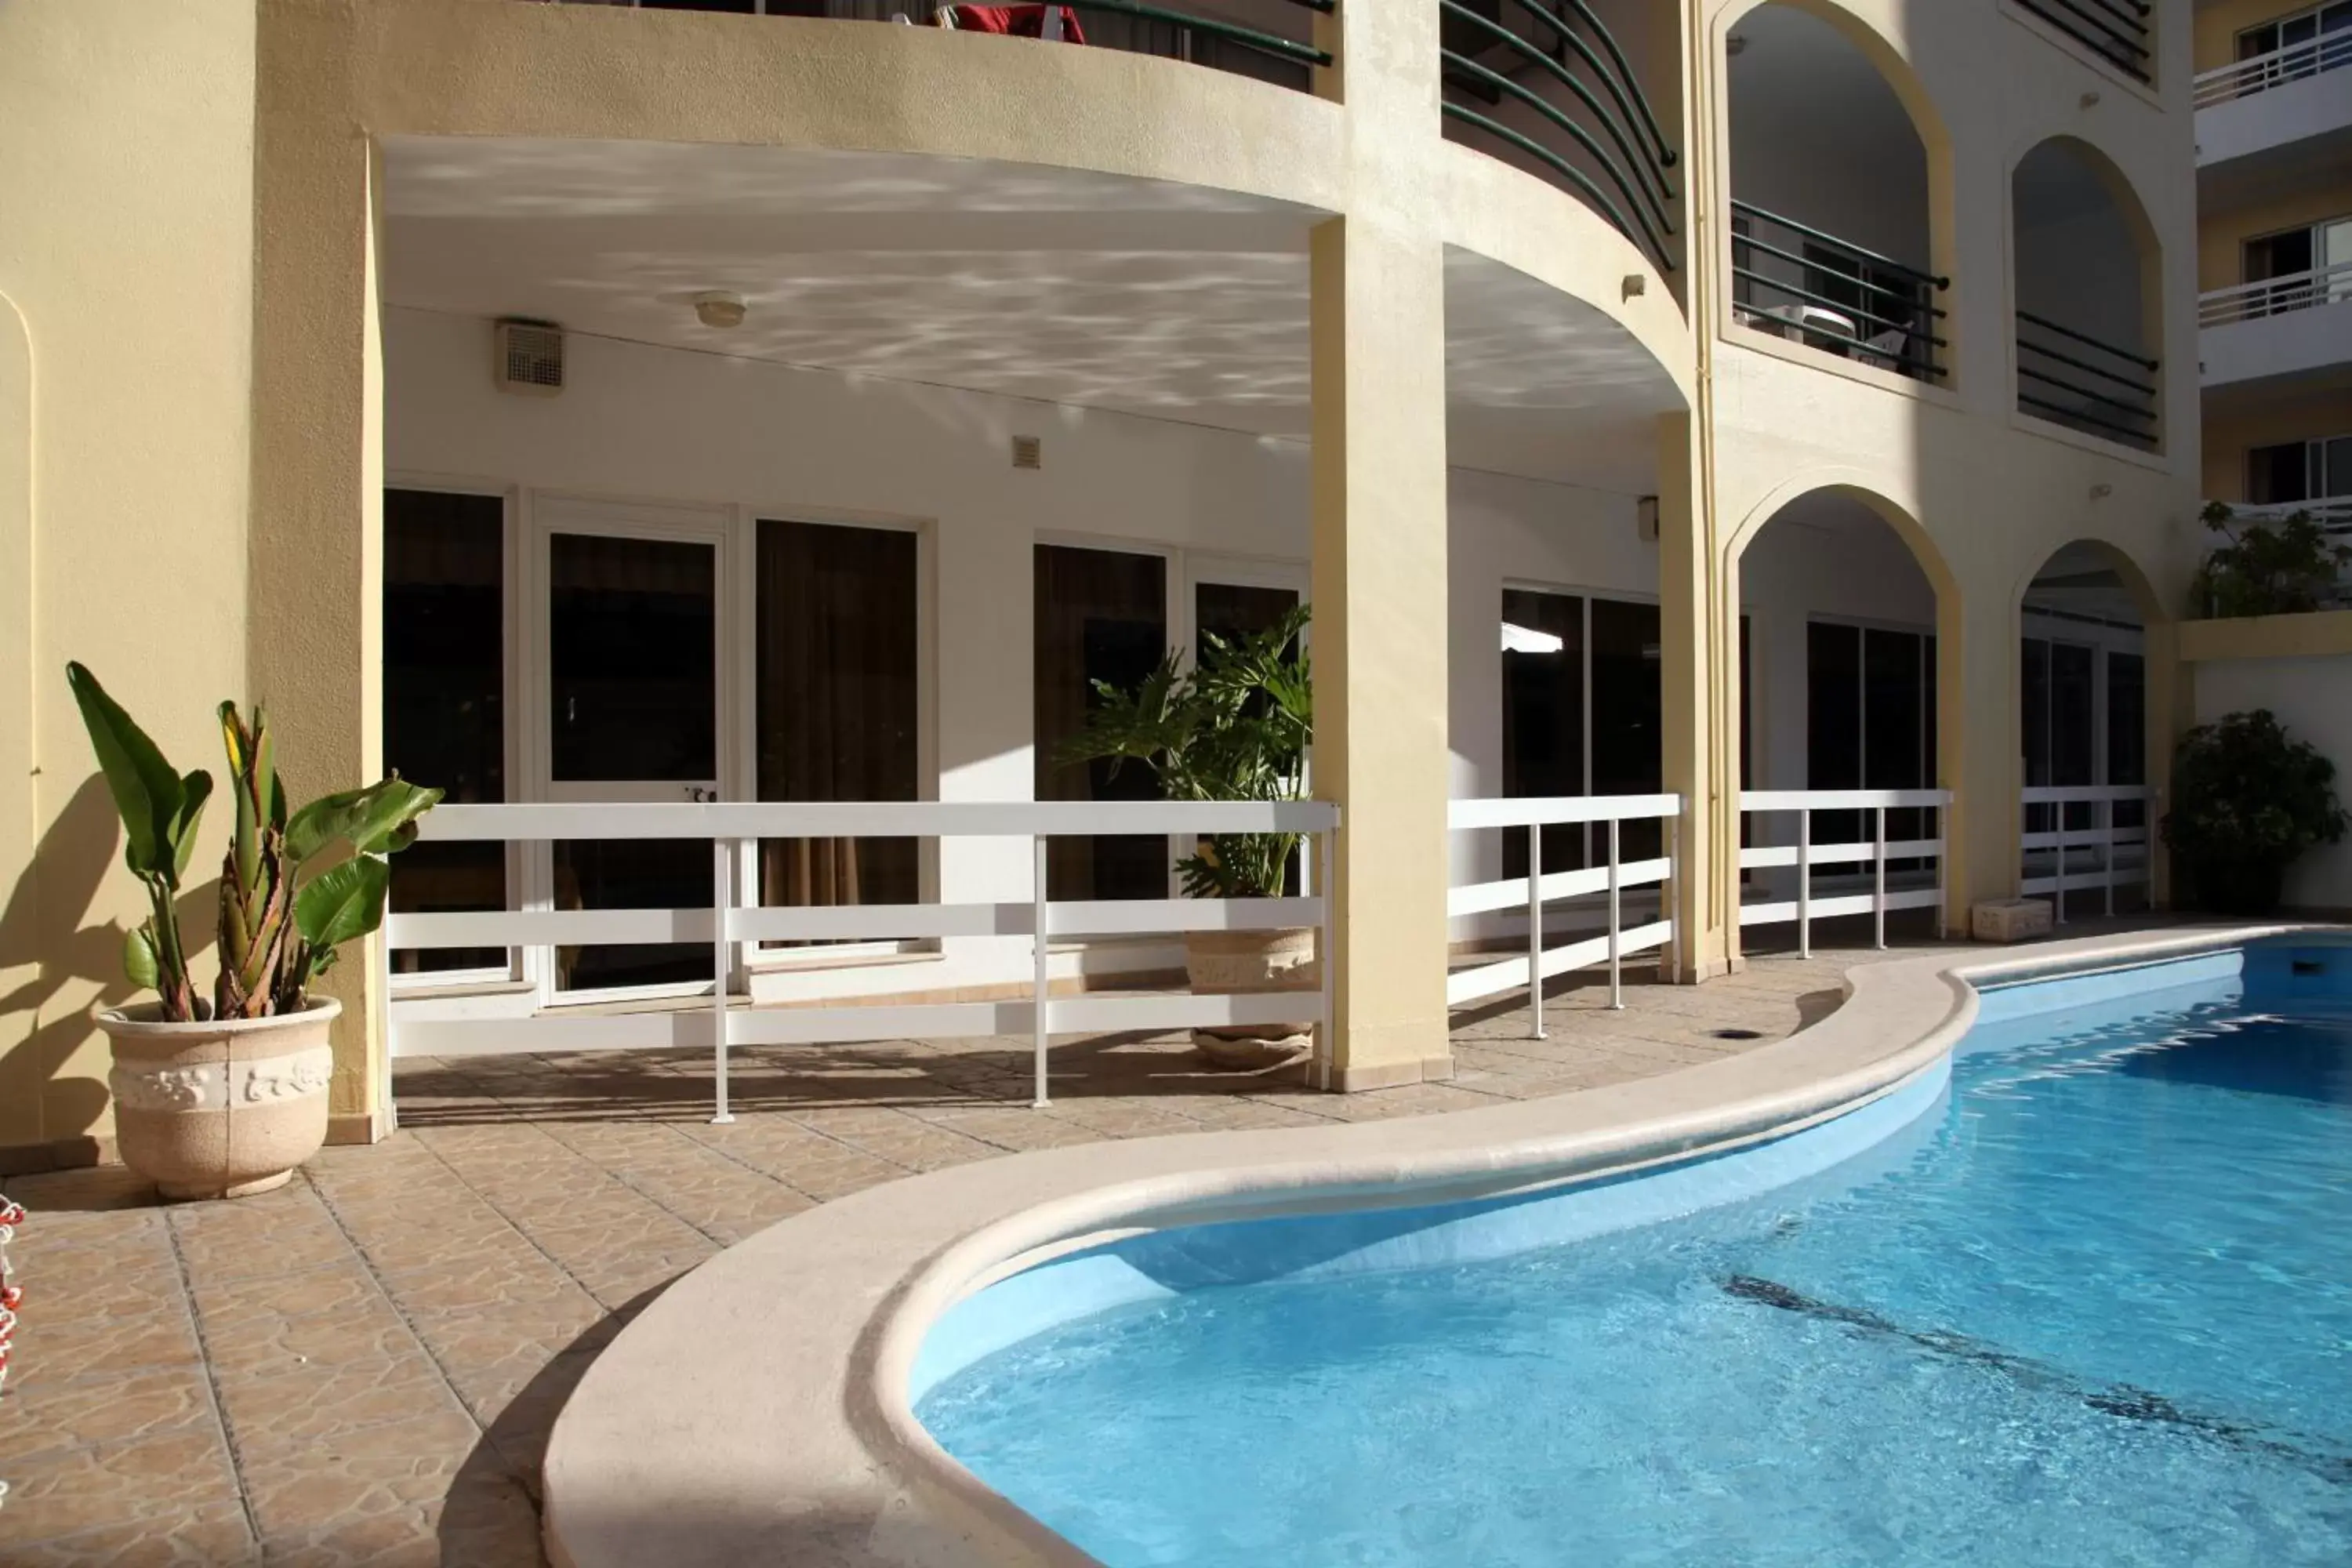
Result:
2087,297
2082,733
1832,195
1840,675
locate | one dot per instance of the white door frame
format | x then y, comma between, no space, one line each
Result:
720,528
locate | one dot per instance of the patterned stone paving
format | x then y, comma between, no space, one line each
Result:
363,1367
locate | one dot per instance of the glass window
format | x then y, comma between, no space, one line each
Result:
445,697
837,704
1628,728
1543,717
1101,615
2127,732
632,651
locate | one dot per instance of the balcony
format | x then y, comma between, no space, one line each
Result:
1799,283
1271,40
2113,31
2072,379
2275,99
1548,86
2277,328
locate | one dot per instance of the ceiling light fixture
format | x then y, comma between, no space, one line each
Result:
719,310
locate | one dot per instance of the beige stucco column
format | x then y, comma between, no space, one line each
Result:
1699,671
1977,742
2171,711
314,641
1380,525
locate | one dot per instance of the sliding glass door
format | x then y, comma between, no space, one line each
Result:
1102,616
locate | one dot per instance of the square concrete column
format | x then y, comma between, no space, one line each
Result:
314,642
1698,623
1378,336
1979,749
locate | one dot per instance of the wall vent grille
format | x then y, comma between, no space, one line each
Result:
530,357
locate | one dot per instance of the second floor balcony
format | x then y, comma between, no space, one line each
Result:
2283,88
2280,327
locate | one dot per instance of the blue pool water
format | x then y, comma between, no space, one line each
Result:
2094,1306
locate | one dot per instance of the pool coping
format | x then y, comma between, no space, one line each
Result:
756,1410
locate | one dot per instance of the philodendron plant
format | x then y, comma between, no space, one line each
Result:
281,923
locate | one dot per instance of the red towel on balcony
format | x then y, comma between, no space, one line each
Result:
1020,21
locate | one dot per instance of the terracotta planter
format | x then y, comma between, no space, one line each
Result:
219,1109
1251,961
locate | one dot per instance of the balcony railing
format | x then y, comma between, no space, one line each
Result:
2072,379
1918,811
1583,116
2295,62
2276,296
1130,26
1814,288
2113,30
2333,513
2085,838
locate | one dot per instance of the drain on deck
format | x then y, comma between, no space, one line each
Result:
1737,1034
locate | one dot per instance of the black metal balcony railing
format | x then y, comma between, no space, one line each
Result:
1133,26
2072,379
2114,30
1533,59
1814,288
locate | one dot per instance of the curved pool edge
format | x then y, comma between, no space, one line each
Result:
758,1411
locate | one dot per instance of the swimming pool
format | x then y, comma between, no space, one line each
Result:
2079,1298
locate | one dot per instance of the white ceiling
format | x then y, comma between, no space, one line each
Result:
1059,285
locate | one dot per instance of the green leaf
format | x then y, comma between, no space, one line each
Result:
342,902
376,820
138,960
194,790
148,793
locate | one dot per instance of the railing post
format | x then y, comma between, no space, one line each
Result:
2108,860
1534,931
1804,883
721,895
2058,897
1943,860
1037,1023
1670,896
1616,986
1327,957
1878,883
383,995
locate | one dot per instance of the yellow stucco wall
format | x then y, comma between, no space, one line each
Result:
127,255
2230,429
2218,23
2221,237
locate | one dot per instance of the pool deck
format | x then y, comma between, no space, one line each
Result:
364,1366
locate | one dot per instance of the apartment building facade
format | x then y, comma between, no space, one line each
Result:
632,404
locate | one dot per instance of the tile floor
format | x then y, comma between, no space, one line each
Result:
363,1367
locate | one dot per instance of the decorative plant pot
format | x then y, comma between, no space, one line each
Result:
219,1108
1252,962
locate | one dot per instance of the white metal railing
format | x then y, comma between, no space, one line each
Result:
2243,78
2276,296
2044,853
1806,855
2333,513
1532,815
730,919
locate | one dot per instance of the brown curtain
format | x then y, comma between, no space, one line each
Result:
837,704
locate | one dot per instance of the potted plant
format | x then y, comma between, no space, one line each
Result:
224,1097
2281,568
1234,727
2247,799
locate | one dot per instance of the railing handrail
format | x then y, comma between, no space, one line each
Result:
1470,814
2085,795
1752,210
1842,799
2218,307
524,822
2128,355
2225,83
2333,513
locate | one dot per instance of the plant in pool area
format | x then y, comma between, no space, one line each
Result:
280,923
2247,799
2267,568
1236,726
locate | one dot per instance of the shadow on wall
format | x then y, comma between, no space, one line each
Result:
70,864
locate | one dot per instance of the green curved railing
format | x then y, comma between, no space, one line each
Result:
1605,117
